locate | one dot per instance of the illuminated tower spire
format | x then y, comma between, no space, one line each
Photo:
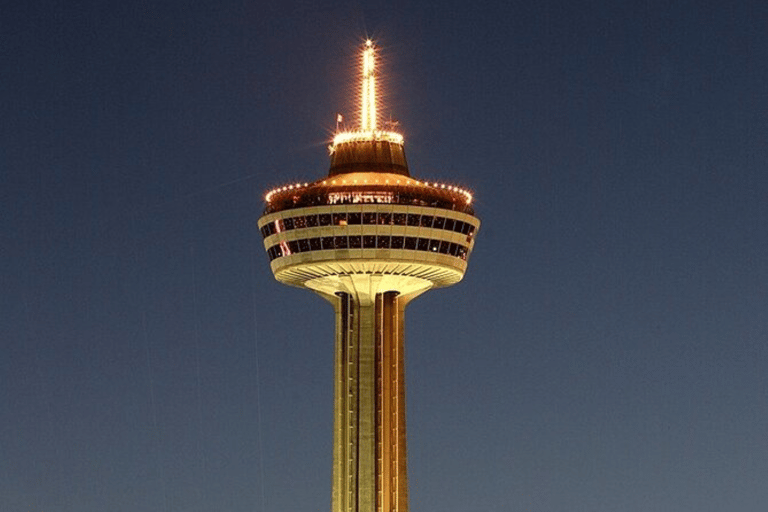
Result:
368,99
367,148
369,238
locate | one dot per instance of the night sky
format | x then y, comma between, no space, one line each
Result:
606,351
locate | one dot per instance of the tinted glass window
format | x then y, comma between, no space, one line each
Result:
413,219
458,226
439,223
426,221
325,219
288,223
385,218
340,242
311,221
449,224
299,222
465,228
369,218
339,219
367,242
279,226
399,219
354,218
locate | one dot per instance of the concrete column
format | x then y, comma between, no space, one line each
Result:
369,443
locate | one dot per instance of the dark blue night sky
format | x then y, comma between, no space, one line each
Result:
606,351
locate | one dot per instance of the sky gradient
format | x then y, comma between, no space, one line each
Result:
606,351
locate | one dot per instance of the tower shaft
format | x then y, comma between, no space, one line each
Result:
369,452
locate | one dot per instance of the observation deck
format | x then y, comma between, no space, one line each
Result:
369,223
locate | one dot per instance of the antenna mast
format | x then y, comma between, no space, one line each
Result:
368,129
368,110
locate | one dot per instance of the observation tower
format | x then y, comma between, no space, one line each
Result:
369,238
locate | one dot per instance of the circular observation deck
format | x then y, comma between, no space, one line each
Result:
367,223
369,218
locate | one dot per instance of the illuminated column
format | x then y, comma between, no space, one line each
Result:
368,99
369,460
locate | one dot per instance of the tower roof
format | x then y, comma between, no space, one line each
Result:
375,155
368,165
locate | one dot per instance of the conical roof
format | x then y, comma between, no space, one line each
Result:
376,155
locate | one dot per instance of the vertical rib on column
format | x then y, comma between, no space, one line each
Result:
366,490
392,475
345,421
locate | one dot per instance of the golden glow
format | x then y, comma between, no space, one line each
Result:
408,182
295,186
368,132
368,100
369,135
368,129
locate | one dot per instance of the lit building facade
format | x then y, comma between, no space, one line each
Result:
369,238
